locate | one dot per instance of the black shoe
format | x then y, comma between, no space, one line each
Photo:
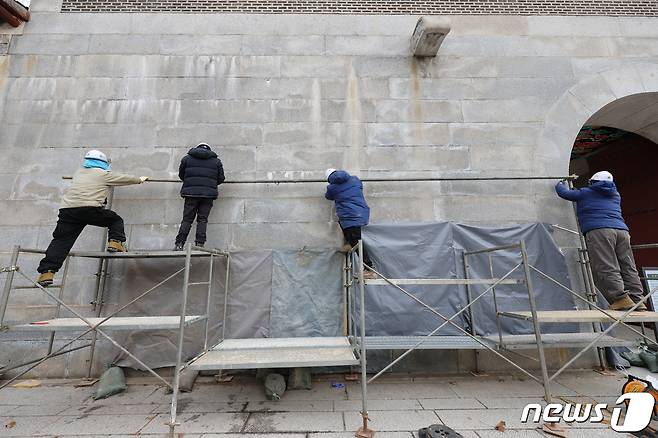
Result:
199,244
178,247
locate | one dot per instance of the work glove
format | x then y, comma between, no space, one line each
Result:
143,178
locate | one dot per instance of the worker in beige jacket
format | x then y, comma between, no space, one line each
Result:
82,205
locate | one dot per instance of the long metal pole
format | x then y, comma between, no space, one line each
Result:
51,339
471,313
493,293
226,290
101,277
6,290
536,324
205,330
590,288
181,334
419,179
364,377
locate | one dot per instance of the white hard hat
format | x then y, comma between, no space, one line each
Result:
329,172
604,175
96,155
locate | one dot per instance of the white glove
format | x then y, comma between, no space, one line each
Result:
143,178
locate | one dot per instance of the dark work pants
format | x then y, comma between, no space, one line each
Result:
352,236
613,264
199,208
70,223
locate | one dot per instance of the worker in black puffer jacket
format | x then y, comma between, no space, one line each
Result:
201,172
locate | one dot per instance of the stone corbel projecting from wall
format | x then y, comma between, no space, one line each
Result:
428,36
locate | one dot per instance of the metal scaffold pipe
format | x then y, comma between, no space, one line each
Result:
419,179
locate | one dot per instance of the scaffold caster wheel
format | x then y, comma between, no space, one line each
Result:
438,431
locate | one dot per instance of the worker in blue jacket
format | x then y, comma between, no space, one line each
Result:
609,244
353,212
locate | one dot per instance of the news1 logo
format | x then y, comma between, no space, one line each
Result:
639,411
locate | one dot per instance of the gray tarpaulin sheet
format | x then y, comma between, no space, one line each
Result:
284,293
434,250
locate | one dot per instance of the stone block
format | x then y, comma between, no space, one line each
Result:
419,111
637,26
28,213
231,134
503,134
55,23
283,236
287,210
200,44
368,45
315,66
46,5
225,111
487,158
528,109
249,66
311,134
407,134
296,158
25,236
416,158
64,44
266,88
362,88
499,210
388,210
4,44
282,45
124,44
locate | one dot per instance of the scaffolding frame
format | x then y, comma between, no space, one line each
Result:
355,270
93,325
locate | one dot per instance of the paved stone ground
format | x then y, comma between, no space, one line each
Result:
399,405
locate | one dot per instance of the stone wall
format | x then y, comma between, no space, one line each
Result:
286,96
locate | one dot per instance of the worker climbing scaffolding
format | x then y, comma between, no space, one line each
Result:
82,205
599,213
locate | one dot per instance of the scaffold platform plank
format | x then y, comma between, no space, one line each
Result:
441,281
515,342
562,340
277,353
583,316
114,323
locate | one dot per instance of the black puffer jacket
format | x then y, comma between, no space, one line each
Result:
201,172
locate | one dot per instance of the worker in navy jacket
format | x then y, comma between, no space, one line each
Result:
353,212
201,172
609,244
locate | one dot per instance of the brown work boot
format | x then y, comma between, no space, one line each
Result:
116,246
369,275
641,308
624,303
46,278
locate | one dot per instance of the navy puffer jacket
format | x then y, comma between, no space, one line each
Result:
351,206
201,172
597,206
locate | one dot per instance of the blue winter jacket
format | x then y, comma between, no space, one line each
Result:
347,191
597,206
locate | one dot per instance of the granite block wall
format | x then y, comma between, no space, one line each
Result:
287,96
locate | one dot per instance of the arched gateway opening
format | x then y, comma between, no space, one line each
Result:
621,138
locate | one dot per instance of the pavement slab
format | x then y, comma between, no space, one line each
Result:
392,421
25,426
295,422
378,405
198,423
451,403
291,406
